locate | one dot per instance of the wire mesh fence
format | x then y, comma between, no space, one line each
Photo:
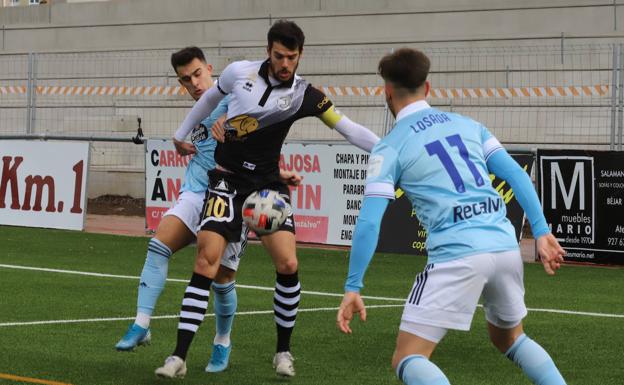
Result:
535,95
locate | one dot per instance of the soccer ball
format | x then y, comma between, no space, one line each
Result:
264,211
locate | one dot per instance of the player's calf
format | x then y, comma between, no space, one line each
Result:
534,362
418,370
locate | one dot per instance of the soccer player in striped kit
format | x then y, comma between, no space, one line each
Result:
179,225
442,161
266,98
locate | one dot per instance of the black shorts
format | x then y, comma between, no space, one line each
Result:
223,207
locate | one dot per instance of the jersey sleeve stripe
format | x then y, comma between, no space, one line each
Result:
491,146
377,189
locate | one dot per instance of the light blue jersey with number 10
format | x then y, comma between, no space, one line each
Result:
439,160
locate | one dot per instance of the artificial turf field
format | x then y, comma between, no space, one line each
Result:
85,285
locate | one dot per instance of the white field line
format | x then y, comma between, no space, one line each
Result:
183,281
254,312
402,300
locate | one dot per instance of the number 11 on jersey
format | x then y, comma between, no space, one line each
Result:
437,148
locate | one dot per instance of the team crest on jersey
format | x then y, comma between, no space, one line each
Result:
199,134
284,102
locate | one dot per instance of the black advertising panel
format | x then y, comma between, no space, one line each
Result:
582,193
401,232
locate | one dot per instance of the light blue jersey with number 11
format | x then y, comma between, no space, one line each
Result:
439,160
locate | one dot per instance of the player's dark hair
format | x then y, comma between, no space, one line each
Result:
406,68
287,33
185,56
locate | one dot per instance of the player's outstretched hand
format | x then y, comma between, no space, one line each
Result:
351,303
183,148
550,252
290,178
218,129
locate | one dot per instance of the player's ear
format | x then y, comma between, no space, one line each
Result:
209,67
388,90
427,88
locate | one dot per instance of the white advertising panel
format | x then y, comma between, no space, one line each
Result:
43,184
326,204
164,174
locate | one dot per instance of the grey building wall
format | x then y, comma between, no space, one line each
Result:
345,39
165,23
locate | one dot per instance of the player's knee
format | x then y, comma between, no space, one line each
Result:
288,266
225,275
206,264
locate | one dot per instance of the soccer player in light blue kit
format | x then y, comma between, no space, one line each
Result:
179,224
178,227
442,162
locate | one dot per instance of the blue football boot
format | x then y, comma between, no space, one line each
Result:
219,358
135,336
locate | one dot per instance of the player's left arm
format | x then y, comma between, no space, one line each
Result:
505,167
355,133
325,110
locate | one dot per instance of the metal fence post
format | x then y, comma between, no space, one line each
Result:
614,15
29,93
562,47
614,84
621,98
33,95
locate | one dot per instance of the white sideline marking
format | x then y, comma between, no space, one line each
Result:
253,312
183,281
557,311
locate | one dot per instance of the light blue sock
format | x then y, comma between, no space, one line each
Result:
153,276
418,370
534,361
225,302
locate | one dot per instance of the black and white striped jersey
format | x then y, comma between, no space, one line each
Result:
260,113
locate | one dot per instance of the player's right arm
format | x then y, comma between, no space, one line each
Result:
363,247
505,167
382,176
208,102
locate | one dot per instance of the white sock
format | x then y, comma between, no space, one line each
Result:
222,340
143,320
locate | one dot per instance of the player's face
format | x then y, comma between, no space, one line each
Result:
284,61
196,77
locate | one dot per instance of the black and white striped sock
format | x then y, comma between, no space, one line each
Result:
285,305
194,305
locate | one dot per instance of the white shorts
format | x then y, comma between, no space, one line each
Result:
445,295
188,209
